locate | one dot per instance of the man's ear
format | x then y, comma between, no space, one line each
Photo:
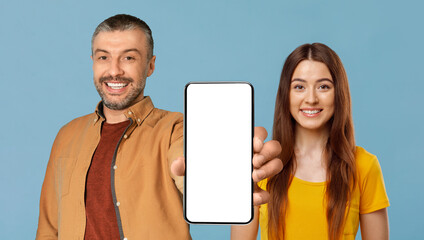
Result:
151,66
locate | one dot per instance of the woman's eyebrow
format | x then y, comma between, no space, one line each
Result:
298,80
325,79
319,80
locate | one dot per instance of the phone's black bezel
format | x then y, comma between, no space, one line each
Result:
185,153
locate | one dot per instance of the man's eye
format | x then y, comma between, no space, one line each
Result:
129,58
102,58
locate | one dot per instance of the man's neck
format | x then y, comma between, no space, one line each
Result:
114,116
117,116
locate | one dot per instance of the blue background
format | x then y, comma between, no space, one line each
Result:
46,79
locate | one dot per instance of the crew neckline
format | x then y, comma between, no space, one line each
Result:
116,124
309,183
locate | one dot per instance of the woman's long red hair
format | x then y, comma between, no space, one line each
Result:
340,148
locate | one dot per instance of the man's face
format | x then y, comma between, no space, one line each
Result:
120,67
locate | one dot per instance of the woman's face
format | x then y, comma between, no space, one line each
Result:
311,95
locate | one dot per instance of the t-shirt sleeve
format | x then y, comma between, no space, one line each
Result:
373,191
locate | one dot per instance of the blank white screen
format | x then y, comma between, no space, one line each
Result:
218,152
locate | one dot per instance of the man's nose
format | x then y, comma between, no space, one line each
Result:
116,68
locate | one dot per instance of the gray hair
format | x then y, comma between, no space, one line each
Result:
122,22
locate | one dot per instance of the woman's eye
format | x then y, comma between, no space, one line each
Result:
298,87
324,87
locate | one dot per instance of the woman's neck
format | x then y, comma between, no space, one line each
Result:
307,140
310,154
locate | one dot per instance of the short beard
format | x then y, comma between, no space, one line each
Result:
128,100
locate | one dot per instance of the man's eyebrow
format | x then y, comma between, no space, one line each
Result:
319,80
132,50
100,50
125,51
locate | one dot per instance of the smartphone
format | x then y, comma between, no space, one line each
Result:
218,136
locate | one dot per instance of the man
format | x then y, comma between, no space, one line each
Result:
109,175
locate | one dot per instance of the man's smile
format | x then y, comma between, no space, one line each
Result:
116,85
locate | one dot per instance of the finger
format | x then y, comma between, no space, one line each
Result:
257,144
261,133
258,160
258,139
270,150
269,169
178,167
260,197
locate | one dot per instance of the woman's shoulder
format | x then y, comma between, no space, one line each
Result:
367,166
370,181
365,160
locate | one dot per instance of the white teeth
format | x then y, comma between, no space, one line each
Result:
311,111
116,85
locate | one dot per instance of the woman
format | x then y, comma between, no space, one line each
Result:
327,185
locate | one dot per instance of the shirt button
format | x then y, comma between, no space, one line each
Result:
129,112
125,239
95,119
125,136
118,203
139,120
115,167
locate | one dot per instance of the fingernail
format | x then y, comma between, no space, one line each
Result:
257,142
260,174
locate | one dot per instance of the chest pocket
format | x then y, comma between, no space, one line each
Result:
64,170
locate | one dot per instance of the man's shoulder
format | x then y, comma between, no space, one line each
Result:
160,116
74,131
79,123
165,113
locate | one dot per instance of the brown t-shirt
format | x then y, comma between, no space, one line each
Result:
100,211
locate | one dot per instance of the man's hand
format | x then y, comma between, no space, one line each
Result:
265,163
178,166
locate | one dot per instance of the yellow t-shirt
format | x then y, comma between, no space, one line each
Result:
306,213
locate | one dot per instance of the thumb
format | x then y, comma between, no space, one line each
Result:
178,167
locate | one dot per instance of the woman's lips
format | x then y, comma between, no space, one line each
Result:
311,112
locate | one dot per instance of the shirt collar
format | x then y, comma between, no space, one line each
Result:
137,112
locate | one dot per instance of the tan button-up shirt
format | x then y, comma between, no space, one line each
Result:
147,196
